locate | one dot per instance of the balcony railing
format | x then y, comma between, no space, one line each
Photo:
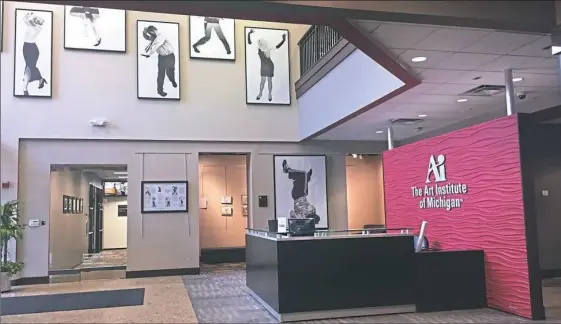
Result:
315,43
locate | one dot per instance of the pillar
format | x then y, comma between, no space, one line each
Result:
390,137
509,92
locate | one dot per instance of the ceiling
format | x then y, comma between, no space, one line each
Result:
458,59
103,172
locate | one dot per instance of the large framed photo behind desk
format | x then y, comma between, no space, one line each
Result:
164,197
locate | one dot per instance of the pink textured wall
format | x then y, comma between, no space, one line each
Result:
486,159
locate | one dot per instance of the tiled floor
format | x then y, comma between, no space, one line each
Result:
219,295
165,301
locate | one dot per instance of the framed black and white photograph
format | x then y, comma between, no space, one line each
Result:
158,63
75,205
33,53
1,25
95,29
164,197
65,204
212,38
227,211
301,187
122,210
81,206
267,66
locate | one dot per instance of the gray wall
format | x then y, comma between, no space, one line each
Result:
68,237
165,241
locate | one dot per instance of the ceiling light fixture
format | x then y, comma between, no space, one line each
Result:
518,79
123,177
418,59
422,116
462,100
120,172
379,132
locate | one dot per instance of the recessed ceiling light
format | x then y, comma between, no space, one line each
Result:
122,177
462,100
422,116
517,79
120,172
379,132
419,59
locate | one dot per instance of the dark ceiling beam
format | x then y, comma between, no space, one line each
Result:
546,115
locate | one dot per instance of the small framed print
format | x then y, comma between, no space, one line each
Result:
164,197
244,200
75,205
244,211
65,204
122,210
227,211
81,207
226,200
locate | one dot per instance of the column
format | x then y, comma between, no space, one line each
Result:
509,92
390,137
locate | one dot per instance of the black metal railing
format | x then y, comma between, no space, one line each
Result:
315,43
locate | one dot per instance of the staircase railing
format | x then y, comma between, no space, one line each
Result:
315,43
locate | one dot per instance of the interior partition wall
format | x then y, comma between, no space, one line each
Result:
475,188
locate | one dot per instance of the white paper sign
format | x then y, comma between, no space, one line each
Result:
164,196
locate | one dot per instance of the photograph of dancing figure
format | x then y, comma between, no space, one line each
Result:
97,29
33,54
300,188
212,45
267,61
162,39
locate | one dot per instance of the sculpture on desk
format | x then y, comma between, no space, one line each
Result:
300,179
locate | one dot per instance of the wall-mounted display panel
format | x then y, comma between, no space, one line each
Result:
33,53
212,38
267,66
158,64
301,188
95,29
115,188
164,197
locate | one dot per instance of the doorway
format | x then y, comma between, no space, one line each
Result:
88,222
224,207
365,190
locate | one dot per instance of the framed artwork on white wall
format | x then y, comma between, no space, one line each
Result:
212,38
95,29
1,25
301,187
158,60
267,66
164,197
33,53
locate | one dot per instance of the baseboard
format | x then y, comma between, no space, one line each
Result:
163,273
30,281
223,255
551,273
114,249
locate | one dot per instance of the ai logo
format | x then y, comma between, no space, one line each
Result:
436,168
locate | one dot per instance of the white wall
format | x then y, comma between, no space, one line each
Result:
331,100
114,226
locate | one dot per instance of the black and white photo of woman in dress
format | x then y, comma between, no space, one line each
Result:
267,63
33,53
301,188
91,28
213,37
162,40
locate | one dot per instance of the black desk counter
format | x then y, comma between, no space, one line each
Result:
304,278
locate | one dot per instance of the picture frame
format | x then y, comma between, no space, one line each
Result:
215,38
306,177
1,25
244,200
164,197
158,76
267,78
226,200
75,205
244,211
65,204
81,208
71,205
227,211
95,29
33,62
122,210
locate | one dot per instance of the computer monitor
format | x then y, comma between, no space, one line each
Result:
301,226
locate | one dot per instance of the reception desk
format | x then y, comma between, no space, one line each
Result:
306,278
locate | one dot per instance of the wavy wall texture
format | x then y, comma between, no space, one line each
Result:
486,158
